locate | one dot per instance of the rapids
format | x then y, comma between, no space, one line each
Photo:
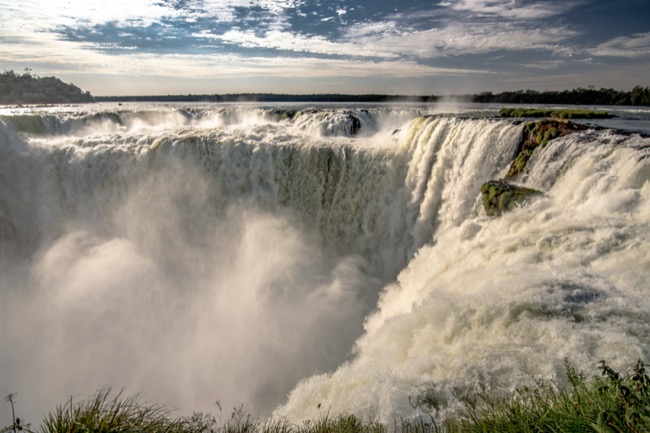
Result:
299,259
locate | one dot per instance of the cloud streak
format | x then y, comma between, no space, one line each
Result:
456,39
287,41
510,9
636,46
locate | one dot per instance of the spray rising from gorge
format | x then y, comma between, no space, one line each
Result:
334,255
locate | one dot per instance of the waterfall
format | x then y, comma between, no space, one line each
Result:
338,255
497,303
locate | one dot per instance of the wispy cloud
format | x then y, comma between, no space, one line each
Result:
457,28
468,27
546,65
224,9
510,9
288,41
456,39
454,28
44,15
59,55
637,45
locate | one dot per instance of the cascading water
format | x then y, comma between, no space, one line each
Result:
495,303
198,254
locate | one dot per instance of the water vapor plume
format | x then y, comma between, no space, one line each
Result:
189,303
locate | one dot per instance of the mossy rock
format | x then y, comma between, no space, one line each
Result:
500,196
569,113
538,134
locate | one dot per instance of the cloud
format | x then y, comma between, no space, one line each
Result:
637,45
60,56
251,38
235,66
359,55
451,35
44,15
546,65
467,27
367,29
457,39
287,41
216,7
510,9
454,28
227,11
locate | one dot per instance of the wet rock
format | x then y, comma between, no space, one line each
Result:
538,134
354,124
500,196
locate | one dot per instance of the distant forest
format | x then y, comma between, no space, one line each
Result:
31,89
637,96
270,97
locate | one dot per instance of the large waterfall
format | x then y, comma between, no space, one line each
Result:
296,260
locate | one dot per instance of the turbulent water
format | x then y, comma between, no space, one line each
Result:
303,259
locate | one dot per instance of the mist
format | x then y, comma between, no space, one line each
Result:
158,290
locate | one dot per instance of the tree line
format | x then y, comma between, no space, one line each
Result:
580,96
31,89
271,97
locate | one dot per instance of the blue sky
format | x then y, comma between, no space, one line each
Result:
121,47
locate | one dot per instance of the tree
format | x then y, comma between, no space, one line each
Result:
31,89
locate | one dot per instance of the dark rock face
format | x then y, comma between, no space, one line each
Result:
278,115
9,239
500,196
538,134
354,124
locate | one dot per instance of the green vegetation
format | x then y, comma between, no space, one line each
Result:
103,414
500,196
557,114
580,96
31,89
611,402
272,98
538,134
544,136
637,96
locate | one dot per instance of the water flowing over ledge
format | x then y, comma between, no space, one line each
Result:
231,253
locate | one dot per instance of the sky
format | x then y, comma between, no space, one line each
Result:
413,47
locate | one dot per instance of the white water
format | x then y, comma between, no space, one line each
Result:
204,254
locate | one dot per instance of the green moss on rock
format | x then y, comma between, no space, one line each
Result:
538,134
554,113
500,196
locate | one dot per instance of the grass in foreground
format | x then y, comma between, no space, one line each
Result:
612,402
557,114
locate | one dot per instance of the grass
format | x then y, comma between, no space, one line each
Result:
105,413
555,113
611,402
